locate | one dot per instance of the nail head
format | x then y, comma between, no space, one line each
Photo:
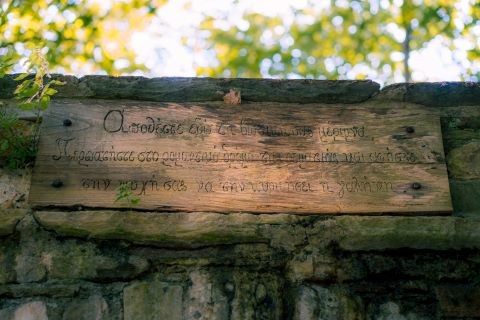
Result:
67,122
57,183
410,129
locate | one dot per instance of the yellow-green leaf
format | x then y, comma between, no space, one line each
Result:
22,76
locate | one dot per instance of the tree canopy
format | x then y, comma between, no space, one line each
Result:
339,39
333,39
74,34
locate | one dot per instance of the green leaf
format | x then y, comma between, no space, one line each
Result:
57,82
25,105
22,86
134,201
22,76
49,91
28,92
44,102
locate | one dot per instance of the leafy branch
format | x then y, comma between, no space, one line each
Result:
35,93
18,141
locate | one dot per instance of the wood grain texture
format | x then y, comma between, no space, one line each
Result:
258,157
181,89
434,94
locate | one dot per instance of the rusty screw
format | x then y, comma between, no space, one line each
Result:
57,183
67,122
410,129
416,186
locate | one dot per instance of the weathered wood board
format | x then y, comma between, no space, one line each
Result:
264,157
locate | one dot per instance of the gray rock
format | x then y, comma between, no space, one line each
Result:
45,289
253,255
35,310
459,301
312,264
74,259
382,233
7,313
258,295
29,268
326,303
9,219
92,308
306,304
200,303
179,229
152,300
190,230
14,188
42,255
7,259
466,197
392,311
464,162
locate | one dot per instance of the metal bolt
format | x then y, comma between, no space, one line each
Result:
67,122
410,129
57,183
416,186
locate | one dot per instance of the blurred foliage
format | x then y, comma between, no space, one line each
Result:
346,39
76,34
328,39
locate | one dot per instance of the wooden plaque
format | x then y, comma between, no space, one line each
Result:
256,157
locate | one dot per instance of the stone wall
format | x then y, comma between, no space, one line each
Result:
92,264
